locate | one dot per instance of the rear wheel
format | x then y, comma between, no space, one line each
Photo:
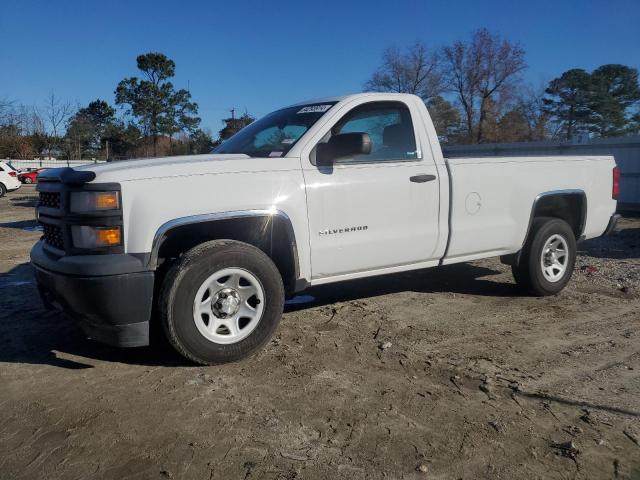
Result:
3,190
28,180
221,302
548,257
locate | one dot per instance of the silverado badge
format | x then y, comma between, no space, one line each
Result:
333,231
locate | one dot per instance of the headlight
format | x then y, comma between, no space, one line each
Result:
95,237
87,202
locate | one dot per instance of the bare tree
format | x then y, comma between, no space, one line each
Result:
56,113
416,70
479,72
530,104
16,130
6,111
36,122
445,117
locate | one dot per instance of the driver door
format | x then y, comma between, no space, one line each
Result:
376,210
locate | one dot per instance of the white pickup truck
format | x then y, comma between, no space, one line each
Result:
323,191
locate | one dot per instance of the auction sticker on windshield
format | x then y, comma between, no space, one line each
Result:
315,109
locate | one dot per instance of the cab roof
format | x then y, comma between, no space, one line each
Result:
341,98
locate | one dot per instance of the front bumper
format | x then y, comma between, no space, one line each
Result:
112,305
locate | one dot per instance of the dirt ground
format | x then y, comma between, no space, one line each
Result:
441,374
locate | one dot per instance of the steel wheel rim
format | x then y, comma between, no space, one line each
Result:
228,306
554,258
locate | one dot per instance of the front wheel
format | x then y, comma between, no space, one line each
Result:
548,257
28,180
221,302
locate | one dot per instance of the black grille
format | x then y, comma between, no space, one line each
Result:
53,235
50,199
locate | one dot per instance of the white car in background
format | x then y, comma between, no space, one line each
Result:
8,179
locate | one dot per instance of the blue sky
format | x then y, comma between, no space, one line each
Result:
261,55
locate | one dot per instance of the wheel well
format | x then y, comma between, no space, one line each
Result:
273,234
570,207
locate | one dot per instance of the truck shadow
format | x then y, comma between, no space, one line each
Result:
463,278
27,198
28,225
25,201
31,334
625,244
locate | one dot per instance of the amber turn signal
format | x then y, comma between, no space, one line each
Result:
89,202
85,236
106,200
108,237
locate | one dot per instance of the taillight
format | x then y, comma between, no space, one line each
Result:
12,174
615,191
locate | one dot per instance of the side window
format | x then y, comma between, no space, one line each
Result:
389,126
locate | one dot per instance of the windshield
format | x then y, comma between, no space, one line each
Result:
275,134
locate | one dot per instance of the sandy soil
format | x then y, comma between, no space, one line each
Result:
446,373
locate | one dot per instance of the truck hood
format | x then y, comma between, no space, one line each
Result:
131,170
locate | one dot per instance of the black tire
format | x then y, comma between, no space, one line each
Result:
3,190
187,275
528,273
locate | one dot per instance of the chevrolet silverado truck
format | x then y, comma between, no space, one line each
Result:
209,246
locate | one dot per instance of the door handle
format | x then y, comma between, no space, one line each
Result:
422,178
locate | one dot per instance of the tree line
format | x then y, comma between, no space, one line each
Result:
154,119
475,93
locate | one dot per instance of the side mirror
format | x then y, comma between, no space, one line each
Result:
343,145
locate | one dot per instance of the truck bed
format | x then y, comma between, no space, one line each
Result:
490,197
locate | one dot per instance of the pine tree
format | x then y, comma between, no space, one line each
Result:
568,101
153,101
614,92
